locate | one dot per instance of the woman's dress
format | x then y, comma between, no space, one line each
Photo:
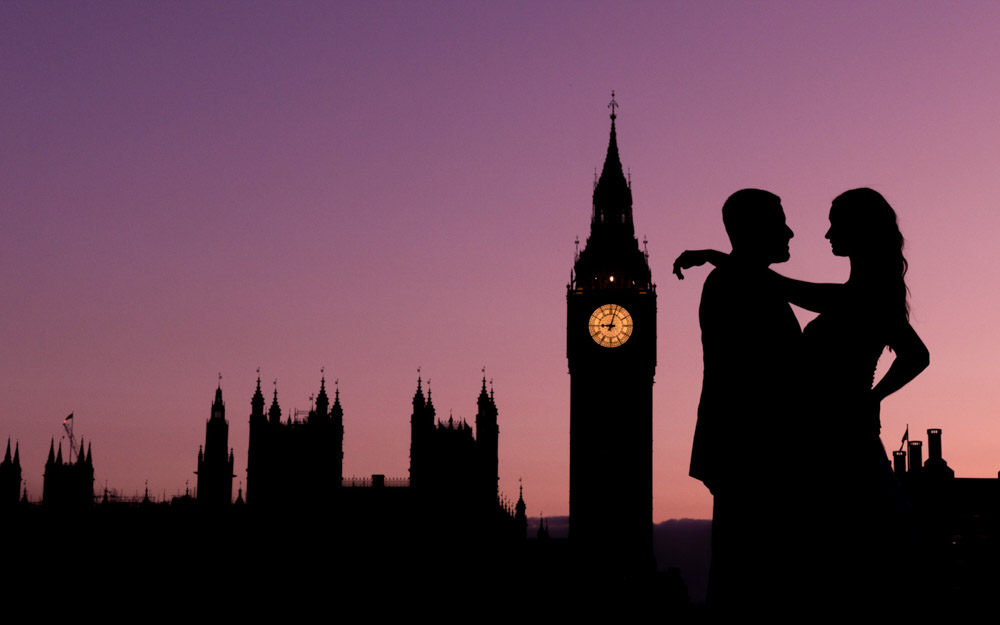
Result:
858,503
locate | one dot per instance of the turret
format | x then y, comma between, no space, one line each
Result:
321,412
337,422
274,412
521,514
10,478
257,403
487,445
260,448
421,431
215,469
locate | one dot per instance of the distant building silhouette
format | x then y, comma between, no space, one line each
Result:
446,460
215,469
957,521
611,348
10,477
296,462
68,484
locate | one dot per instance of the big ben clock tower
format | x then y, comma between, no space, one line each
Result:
611,347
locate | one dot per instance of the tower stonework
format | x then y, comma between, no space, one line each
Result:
611,348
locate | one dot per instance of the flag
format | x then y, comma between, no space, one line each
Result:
906,437
68,418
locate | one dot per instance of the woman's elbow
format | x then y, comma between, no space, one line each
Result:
921,358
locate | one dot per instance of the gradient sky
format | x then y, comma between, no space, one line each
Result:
190,187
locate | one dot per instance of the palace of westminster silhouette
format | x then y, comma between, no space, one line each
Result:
296,463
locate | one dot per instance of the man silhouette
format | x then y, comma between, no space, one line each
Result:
742,441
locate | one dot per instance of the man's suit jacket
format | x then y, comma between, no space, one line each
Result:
751,339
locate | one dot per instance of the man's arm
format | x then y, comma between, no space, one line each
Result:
719,325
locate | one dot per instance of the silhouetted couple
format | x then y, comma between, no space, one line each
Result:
794,528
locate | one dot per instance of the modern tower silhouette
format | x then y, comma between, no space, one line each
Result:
611,347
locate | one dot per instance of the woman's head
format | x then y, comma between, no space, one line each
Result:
864,228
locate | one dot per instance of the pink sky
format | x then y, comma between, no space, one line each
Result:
188,188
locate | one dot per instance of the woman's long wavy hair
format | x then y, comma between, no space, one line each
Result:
879,247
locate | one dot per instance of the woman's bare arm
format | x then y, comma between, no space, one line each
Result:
814,296
912,358
817,297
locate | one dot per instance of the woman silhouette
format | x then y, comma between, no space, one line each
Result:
856,510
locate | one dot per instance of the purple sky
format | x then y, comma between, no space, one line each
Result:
188,188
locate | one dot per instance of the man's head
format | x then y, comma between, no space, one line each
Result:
755,223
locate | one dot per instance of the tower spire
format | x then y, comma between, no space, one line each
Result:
322,410
274,412
612,194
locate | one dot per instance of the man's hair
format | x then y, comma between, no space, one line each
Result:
741,212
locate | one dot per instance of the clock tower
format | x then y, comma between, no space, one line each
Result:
611,347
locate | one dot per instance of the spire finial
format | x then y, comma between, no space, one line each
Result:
220,379
613,105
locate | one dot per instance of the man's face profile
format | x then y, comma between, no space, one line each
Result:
775,234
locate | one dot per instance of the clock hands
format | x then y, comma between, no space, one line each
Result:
610,325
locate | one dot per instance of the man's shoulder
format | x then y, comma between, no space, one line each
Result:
725,282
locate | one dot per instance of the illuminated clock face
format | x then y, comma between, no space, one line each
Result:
610,325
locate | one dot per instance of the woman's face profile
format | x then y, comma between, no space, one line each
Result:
840,233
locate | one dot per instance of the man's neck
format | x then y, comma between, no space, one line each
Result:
742,258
